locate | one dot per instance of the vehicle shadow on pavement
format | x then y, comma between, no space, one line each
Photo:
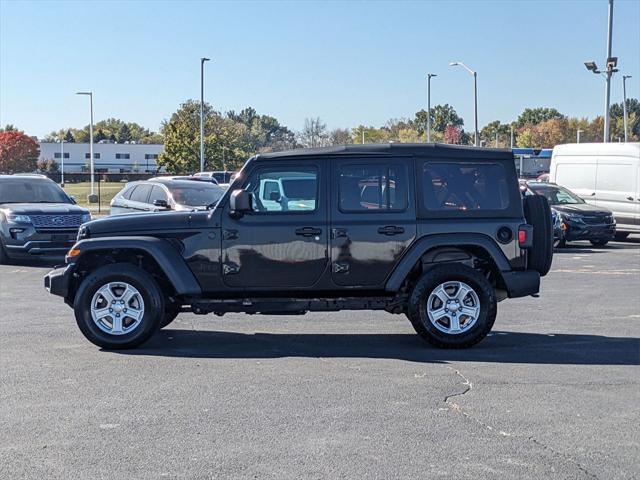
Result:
498,347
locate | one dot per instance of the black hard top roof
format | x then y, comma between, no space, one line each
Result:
423,149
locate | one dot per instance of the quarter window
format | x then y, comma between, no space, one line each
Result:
464,186
373,188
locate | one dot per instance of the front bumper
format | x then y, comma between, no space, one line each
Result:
30,242
582,231
521,283
57,281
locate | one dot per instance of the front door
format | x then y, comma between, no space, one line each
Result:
373,218
282,242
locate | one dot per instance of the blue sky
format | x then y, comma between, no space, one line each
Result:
347,62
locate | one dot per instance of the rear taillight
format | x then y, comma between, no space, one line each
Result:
522,237
525,236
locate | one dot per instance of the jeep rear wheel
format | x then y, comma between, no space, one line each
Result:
452,306
119,306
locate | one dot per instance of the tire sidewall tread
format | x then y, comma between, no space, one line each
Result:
141,280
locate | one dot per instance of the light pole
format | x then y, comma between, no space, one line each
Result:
511,137
224,166
429,75
624,105
62,162
202,60
612,62
578,132
475,97
363,135
92,196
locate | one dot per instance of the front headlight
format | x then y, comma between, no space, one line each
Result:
571,216
13,218
86,217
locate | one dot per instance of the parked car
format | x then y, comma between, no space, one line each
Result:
578,219
161,194
445,236
606,175
36,218
218,176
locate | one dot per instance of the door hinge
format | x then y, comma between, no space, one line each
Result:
230,268
340,268
230,234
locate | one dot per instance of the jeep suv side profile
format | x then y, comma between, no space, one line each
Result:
439,233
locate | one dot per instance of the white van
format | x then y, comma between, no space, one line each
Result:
603,174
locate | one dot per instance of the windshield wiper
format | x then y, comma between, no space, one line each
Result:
212,204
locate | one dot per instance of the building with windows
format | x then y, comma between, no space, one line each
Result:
107,157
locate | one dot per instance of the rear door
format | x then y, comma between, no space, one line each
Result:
373,218
282,243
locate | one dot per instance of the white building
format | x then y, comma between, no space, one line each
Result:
108,157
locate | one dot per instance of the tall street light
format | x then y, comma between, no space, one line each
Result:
578,132
429,75
202,60
62,162
92,196
475,97
610,69
624,105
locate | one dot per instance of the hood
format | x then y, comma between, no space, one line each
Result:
581,208
139,223
42,208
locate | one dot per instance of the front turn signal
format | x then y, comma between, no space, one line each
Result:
74,252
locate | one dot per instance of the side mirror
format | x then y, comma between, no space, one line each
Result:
274,196
239,203
161,204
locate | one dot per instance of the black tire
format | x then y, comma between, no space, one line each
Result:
170,314
621,235
538,213
599,243
417,306
4,259
146,286
560,243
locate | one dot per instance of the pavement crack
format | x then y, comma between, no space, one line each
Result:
457,408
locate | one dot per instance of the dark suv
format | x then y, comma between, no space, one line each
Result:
36,218
439,233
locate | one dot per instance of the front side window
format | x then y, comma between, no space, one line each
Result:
464,186
284,190
372,187
158,193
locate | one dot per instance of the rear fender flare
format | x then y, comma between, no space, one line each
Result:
424,244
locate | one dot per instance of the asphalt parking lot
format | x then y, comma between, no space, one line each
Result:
554,392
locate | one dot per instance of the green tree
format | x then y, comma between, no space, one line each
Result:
124,134
489,131
534,116
68,137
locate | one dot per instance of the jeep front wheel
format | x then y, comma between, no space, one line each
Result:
119,306
452,306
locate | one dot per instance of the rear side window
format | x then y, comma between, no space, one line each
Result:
462,187
365,188
140,193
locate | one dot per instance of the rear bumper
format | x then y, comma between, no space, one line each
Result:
57,281
521,283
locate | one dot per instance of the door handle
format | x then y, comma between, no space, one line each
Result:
630,198
390,230
593,194
308,231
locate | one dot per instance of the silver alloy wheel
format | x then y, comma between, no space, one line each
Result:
117,308
453,307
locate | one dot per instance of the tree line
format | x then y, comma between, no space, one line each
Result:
232,137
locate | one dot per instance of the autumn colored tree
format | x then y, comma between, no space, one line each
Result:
452,134
18,152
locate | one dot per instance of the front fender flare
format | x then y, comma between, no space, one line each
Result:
166,256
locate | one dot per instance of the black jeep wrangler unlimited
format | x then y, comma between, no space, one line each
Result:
439,233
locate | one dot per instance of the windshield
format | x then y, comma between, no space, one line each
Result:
558,195
198,195
31,191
